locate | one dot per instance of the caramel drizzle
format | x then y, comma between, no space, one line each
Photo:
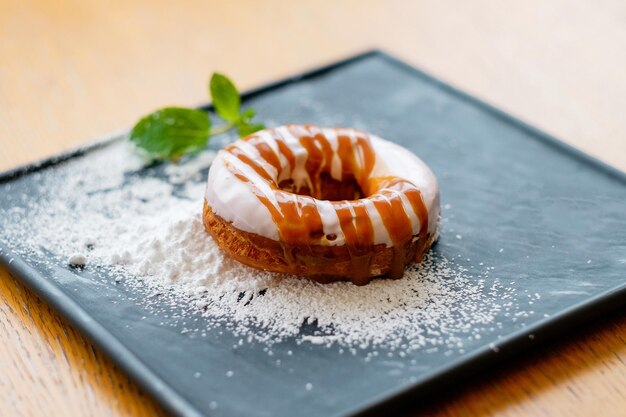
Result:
298,218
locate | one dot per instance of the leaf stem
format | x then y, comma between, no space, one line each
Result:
221,129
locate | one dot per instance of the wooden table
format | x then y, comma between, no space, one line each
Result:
70,71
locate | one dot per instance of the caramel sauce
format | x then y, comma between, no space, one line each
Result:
265,151
250,162
295,211
284,149
359,236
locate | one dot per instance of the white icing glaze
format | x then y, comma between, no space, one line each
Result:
235,200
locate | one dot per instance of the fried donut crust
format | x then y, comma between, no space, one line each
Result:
321,263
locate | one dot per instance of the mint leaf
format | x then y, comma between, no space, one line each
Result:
247,114
225,97
245,125
172,132
245,129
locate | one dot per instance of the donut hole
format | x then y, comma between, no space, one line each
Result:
327,188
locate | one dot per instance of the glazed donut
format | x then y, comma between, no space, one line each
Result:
325,203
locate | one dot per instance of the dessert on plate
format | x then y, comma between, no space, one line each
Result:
324,203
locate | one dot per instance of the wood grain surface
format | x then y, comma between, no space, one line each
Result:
73,70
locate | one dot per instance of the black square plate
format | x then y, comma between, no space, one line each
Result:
560,215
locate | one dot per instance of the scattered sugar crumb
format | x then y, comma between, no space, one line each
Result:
191,170
316,340
77,260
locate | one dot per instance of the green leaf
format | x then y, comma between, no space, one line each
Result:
245,129
247,115
175,131
245,126
225,97
172,132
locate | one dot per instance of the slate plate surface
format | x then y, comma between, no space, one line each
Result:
560,215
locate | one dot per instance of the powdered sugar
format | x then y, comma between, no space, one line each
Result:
144,226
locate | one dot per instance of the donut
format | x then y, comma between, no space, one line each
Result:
324,203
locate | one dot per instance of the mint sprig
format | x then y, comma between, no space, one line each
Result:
225,96
172,132
227,103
